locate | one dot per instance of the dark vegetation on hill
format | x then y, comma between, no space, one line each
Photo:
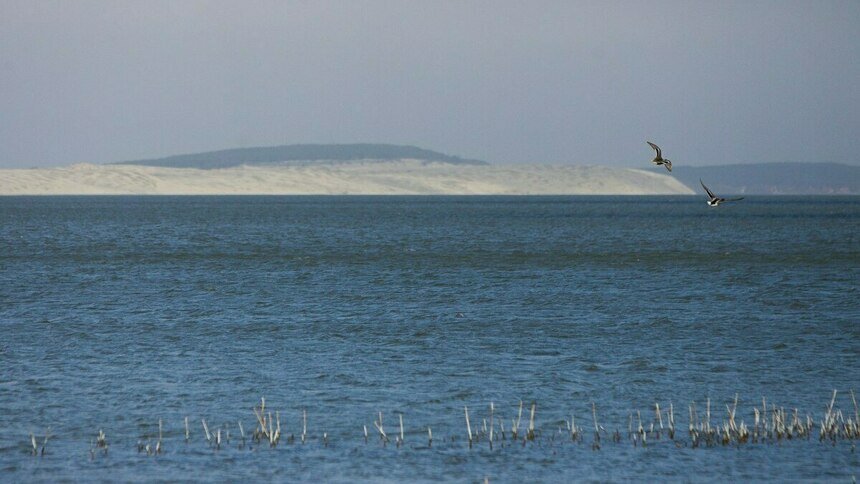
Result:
297,154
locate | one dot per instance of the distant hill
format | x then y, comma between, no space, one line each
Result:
300,154
772,178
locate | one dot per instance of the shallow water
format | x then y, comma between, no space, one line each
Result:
118,311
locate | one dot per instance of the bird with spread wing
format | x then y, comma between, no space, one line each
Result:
714,200
659,160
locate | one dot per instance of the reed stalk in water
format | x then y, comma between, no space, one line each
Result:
272,441
492,425
708,417
856,412
671,421
206,430
101,441
378,426
45,442
468,425
158,444
531,432
516,429
694,432
771,425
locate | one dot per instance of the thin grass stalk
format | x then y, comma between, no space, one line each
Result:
516,430
708,417
206,430
45,441
856,412
158,444
468,425
381,432
531,433
492,425
671,421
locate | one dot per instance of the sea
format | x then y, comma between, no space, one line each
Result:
118,313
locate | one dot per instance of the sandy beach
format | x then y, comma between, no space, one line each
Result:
400,177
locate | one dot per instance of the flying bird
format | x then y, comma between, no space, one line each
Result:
714,200
659,160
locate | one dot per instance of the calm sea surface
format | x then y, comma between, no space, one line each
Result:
116,312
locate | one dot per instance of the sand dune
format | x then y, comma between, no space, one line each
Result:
400,177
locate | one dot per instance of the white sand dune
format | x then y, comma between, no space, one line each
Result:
399,177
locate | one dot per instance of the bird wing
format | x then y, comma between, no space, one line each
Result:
657,148
668,165
710,194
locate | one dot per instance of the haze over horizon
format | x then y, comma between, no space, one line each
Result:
506,82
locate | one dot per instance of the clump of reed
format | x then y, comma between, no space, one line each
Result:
379,428
771,424
35,446
266,430
487,429
144,446
834,425
99,443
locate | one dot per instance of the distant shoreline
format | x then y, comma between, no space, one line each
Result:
396,177
423,177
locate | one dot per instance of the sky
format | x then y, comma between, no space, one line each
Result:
559,82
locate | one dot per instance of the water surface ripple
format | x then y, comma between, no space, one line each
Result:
118,311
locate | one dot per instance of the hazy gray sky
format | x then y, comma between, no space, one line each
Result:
504,81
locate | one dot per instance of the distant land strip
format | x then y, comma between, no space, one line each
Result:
386,169
391,177
773,178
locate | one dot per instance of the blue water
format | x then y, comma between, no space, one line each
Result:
116,312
